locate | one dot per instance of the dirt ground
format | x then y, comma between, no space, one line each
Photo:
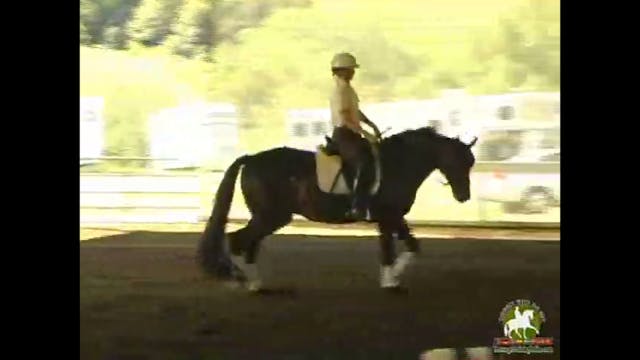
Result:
143,297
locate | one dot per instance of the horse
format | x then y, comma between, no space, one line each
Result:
520,322
280,182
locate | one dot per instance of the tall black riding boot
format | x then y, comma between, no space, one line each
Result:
358,211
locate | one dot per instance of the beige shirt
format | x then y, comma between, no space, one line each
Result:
344,98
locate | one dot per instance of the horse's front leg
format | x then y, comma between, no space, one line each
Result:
535,329
412,248
388,278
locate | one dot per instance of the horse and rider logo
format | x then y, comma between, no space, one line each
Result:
521,322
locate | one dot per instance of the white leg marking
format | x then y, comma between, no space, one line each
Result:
254,282
402,262
387,277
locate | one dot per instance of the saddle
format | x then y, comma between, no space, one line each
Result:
330,170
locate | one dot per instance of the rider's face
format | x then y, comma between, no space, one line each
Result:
349,74
346,74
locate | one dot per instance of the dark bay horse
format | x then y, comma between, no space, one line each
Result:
280,182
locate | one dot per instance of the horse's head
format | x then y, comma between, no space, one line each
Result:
432,150
455,160
528,314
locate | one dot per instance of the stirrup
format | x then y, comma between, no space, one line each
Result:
355,216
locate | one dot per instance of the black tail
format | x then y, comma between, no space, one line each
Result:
212,253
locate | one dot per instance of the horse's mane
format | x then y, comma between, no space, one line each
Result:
428,132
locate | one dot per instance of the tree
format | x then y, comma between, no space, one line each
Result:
152,21
90,21
117,12
194,29
99,16
524,53
115,37
85,39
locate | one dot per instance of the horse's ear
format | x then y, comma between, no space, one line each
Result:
473,142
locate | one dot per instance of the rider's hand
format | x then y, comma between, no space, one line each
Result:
370,137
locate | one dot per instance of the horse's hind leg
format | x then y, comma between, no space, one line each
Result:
244,244
269,225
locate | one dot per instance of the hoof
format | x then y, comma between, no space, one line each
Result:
396,289
254,287
233,285
238,275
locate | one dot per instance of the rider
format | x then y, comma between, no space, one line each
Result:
347,133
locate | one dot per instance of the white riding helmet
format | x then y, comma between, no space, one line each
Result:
344,60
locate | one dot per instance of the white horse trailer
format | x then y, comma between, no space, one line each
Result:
194,136
91,129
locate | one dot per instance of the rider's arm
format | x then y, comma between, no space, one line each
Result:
370,123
